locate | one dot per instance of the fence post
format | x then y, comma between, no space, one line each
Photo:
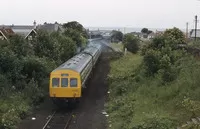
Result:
125,51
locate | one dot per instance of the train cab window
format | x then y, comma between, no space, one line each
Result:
73,82
64,82
55,82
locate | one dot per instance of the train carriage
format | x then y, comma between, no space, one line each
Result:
67,81
94,51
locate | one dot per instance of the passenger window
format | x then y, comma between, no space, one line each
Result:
73,82
55,82
64,82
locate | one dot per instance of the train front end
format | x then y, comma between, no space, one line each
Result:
65,85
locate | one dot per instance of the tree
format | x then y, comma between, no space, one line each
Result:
131,43
117,35
74,25
176,35
20,46
67,48
36,68
75,35
45,45
161,55
77,32
144,30
149,31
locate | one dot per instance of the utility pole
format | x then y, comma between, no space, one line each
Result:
195,28
187,31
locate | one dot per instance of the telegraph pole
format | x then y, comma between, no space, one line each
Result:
195,28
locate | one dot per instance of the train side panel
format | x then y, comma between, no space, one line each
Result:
86,72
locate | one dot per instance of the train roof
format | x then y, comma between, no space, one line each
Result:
79,61
96,45
76,63
90,50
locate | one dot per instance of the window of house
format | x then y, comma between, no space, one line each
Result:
30,37
1,37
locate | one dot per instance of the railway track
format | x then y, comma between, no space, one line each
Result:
59,120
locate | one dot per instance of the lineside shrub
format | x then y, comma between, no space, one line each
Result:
131,43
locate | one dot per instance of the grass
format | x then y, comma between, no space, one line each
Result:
12,110
195,44
118,46
136,101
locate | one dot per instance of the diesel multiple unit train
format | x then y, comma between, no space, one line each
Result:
68,80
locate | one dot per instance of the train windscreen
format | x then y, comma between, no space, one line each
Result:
73,82
55,82
64,82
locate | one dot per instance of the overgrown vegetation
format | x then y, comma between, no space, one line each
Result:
25,67
131,43
158,89
117,36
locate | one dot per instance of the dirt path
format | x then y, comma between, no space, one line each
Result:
89,110
89,113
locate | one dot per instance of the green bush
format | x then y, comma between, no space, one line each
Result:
157,123
191,105
161,55
20,46
9,119
46,46
117,36
34,92
5,86
175,35
158,43
131,43
36,68
10,64
12,110
68,48
151,61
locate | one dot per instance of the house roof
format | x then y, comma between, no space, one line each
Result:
95,32
6,32
3,35
192,34
16,27
22,30
49,27
159,32
9,31
136,33
30,33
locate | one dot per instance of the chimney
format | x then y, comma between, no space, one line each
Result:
34,24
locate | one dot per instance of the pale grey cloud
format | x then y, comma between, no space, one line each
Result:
123,13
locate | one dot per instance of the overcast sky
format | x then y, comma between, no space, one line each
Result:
102,13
